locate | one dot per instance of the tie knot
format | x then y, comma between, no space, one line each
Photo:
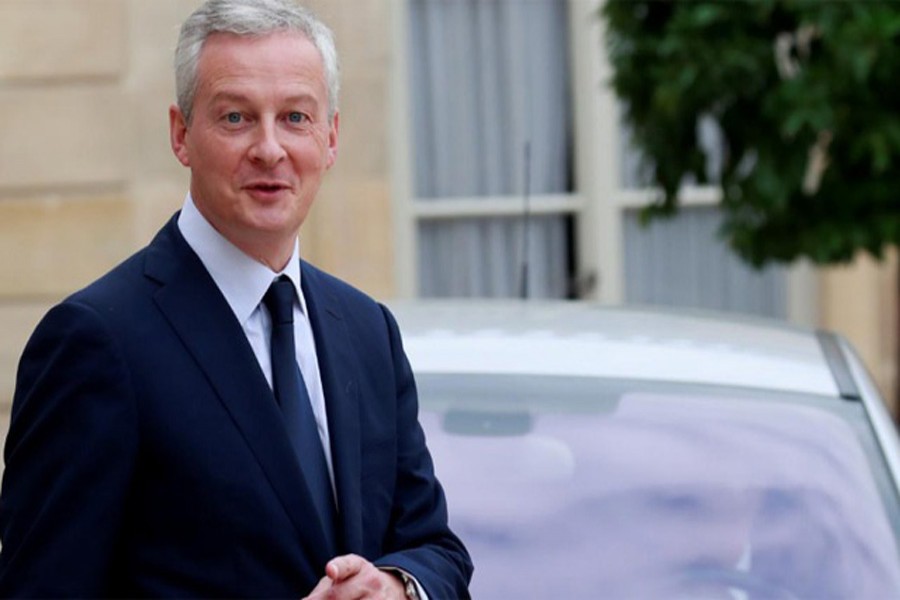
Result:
279,300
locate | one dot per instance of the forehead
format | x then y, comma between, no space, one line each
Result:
282,58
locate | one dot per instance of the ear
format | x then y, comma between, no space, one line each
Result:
177,135
333,139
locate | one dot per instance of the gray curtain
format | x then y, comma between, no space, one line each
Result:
481,258
489,77
682,262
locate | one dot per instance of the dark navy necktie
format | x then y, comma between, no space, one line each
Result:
292,397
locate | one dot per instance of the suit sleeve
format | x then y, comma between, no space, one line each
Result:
69,456
421,542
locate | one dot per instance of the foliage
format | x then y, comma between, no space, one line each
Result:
794,85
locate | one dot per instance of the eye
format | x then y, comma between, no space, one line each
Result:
297,117
233,118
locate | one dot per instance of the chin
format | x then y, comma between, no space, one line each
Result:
278,225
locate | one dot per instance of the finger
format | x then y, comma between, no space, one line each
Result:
368,582
344,567
319,591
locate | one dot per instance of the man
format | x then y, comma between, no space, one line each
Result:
157,442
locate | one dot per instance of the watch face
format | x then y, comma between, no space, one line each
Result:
410,587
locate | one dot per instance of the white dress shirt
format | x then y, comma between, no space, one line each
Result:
244,281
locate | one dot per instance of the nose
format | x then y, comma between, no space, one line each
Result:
266,148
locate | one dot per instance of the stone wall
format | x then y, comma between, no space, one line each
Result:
859,300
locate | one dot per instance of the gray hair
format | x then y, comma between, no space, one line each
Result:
249,18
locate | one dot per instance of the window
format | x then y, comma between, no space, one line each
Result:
491,147
490,94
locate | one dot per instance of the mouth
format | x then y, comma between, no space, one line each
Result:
266,188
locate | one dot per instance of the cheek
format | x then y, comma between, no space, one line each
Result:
312,156
219,160
321,139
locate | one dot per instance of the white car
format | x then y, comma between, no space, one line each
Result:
603,453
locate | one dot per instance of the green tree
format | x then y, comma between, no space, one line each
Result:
807,96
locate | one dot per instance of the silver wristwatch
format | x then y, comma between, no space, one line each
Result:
409,586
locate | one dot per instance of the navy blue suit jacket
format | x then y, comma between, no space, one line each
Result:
146,455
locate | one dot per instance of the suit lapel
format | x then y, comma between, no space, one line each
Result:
199,314
337,362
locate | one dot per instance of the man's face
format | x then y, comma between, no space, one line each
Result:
259,140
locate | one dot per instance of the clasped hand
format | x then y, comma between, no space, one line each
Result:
351,577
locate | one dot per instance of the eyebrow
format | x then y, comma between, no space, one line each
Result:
238,97
235,97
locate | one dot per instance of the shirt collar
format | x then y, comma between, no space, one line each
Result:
241,279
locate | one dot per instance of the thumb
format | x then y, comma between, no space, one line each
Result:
344,567
320,589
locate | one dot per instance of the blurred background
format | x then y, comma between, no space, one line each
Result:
473,134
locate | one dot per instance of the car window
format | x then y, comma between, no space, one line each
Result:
566,487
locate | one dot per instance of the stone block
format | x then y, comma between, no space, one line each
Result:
52,246
63,135
4,427
52,39
349,234
150,85
364,140
17,321
854,303
154,204
363,32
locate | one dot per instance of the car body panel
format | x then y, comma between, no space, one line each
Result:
585,340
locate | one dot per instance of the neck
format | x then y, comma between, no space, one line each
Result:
275,256
271,249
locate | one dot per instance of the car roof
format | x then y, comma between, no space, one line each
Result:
588,340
